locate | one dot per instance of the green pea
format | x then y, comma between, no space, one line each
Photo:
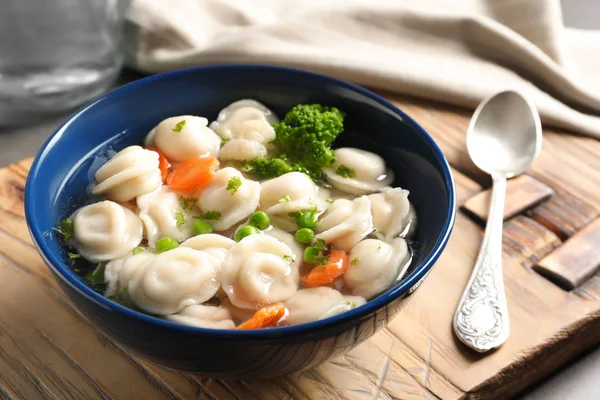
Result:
260,220
305,235
310,254
166,244
307,219
202,227
244,231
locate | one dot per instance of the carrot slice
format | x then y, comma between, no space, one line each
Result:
163,163
265,317
325,274
192,174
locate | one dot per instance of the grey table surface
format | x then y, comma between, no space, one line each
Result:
579,380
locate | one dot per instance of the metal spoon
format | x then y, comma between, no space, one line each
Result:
503,139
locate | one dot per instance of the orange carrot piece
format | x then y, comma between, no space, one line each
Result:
163,163
192,174
265,317
322,275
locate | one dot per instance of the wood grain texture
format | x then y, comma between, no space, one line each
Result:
522,193
576,261
49,351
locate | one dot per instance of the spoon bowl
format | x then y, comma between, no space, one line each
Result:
505,134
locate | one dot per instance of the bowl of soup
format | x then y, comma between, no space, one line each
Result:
240,221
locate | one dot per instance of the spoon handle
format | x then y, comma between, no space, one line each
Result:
481,320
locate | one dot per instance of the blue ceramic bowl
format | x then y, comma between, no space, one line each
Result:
64,168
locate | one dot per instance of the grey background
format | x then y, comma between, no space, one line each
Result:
579,380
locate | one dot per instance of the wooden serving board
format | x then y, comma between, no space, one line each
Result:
551,260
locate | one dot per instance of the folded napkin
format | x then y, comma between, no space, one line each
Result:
447,50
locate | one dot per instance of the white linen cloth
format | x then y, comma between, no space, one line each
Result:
454,51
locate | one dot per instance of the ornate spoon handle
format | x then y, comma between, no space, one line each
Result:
481,320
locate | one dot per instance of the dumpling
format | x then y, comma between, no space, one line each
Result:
186,137
246,119
239,314
290,240
308,305
174,280
211,243
106,230
346,222
204,316
258,271
392,212
365,171
242,150
378,265
233,205
130,173
118,272
162,215
286,194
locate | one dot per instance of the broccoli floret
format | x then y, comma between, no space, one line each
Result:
306,133
303,139
271,167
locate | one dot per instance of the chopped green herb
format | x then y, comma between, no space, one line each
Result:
73,256
289,259
138,250
320,245
351,304
379,247
96,277
187,203
234,184
344,171
211,215
355,261
121,297
179,218
223,141
375,230
284,199
330,201
179,126
322,259
65,228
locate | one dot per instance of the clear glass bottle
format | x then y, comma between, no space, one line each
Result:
56,55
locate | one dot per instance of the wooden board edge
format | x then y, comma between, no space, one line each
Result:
528,369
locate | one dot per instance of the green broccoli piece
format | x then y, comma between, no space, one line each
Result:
303,139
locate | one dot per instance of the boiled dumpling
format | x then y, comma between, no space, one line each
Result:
258,271
174,280
130,173
242,150
392,213
346,222
162,215
246,119
286,194
239,314
377,265
118,272
185,137
211,243
106,230
358,171
290,240
233,205
204,316
308,305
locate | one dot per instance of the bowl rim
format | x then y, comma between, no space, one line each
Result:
63,271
